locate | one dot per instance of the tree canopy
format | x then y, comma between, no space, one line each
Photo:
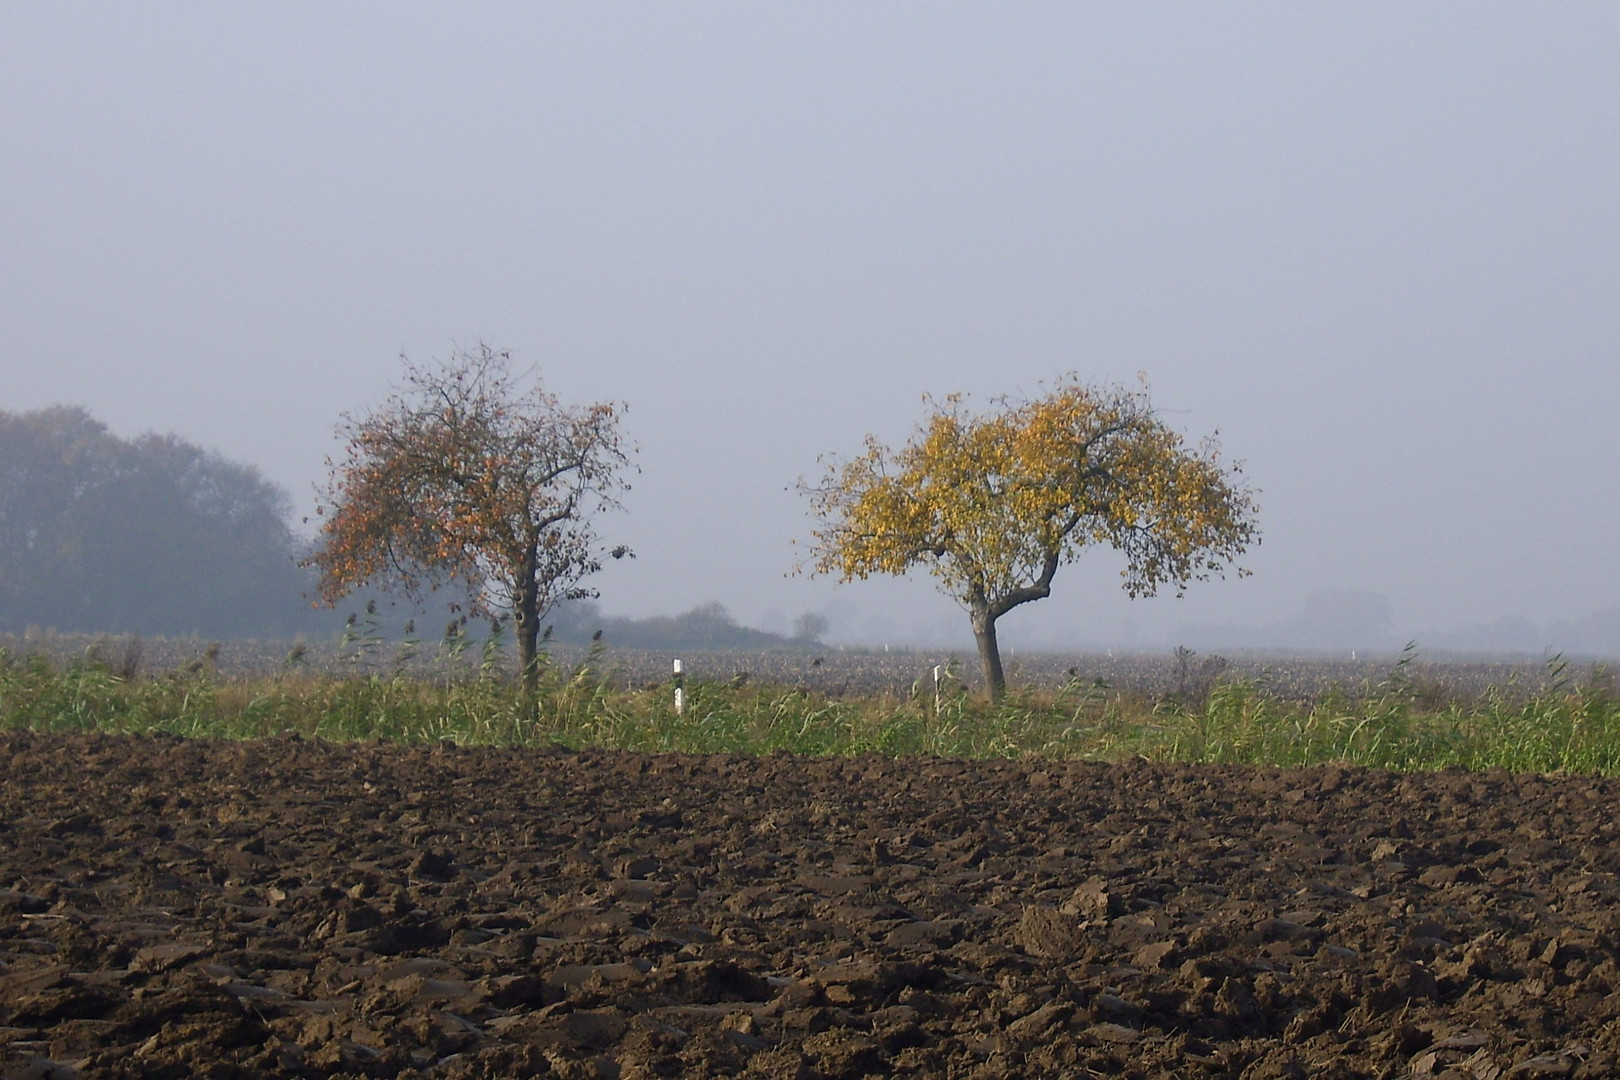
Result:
149,535
992,504
473,475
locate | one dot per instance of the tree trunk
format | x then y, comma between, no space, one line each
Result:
984,632
527,611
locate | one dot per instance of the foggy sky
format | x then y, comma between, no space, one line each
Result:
1376,245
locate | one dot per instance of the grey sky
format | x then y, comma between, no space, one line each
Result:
1376,245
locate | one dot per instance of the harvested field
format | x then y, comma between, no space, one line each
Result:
297,908
838,672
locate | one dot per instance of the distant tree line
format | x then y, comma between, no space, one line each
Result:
155,535
708,626
152,535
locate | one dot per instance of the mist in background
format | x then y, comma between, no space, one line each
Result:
1376,246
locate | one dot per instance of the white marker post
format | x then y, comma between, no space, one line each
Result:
936,689
680,691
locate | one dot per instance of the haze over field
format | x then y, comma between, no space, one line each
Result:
1375,245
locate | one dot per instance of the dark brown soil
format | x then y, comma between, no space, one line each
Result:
289,908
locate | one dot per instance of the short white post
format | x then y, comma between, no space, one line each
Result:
936,689
680,691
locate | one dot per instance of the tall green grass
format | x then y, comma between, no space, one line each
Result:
1570,727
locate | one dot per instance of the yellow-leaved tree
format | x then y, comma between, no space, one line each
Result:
992,504
473,475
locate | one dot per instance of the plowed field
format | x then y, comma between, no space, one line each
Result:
293,908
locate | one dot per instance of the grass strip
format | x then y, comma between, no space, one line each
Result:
1568,728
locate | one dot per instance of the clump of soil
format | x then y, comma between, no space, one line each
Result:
295,908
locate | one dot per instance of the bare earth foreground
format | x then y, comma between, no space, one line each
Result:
292,908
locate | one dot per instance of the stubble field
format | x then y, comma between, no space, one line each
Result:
834,671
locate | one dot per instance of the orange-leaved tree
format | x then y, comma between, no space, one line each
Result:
473,475
992,504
